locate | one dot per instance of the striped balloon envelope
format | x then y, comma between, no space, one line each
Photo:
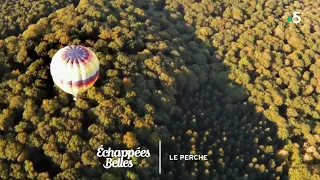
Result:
74,69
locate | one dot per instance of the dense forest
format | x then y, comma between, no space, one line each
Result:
228,78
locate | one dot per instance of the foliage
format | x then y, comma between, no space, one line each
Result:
230,79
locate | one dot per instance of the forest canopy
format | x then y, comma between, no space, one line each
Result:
230,79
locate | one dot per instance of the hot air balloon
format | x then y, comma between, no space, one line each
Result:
74,69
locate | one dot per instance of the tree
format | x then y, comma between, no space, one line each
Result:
130,140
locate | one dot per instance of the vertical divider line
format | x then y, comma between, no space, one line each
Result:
159,157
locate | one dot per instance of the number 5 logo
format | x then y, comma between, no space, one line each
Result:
296,18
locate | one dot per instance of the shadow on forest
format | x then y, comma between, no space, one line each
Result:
42,163
226,124
215,119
